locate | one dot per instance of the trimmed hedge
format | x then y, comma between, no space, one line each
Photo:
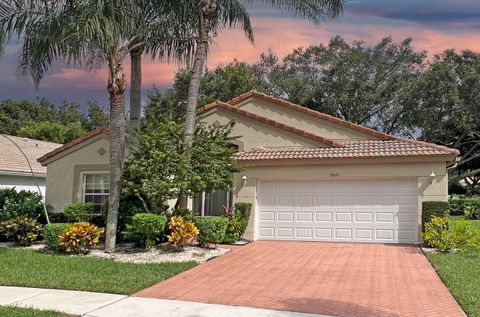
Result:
434,208
145,229
52,234
212,229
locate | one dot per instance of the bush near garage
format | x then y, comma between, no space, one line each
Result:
434,208
145,229
237,221
51,235
80,237
21,230
212,229
445,236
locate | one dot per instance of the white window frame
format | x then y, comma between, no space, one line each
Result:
83,176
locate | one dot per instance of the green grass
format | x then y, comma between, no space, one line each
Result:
475,223
28,312
23,267
460,272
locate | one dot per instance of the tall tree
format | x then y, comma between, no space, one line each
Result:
86,33
212,15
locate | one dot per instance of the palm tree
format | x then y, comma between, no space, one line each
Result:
211,14
87,33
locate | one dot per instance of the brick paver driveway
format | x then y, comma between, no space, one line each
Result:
339,279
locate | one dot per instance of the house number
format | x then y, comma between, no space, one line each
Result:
334,174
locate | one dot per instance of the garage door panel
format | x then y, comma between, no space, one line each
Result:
304,216
359,210
323,216
285,216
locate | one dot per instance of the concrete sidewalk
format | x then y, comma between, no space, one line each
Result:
91,304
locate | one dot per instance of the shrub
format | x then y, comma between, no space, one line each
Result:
52,233
80,237
433,208
23,203
57,217
78,212
238,221
145,229
22,230
457,204
444,236
212,229
181,232
472,208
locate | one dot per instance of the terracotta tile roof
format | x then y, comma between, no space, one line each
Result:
270,122
351,149
72,143
12,159
311,112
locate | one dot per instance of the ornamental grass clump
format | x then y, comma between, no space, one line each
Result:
80,237
181,232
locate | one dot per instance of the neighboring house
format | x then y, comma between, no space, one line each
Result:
17,155
309,176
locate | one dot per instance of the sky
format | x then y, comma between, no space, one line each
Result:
434,25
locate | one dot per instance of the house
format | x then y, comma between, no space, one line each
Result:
309,176
18,163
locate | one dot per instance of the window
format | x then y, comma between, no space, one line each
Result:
212,203
95,190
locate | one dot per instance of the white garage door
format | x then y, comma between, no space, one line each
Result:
346,210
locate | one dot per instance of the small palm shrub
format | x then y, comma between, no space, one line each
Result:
78,212
212,229
80,237
182,232
22,230
445,236
51,235
145,229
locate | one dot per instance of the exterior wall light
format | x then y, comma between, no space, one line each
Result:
432,177
244,179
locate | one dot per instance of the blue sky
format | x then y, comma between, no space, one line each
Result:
434,25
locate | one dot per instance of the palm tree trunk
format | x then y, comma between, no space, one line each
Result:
136,87
194,85
116,88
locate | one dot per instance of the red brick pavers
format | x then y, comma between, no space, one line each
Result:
340,279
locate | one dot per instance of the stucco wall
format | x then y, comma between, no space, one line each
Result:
63,172
301,120
256,134
352,170
23,183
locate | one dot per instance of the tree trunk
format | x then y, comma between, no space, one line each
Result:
136,87
116,88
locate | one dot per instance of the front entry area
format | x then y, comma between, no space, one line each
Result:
374,210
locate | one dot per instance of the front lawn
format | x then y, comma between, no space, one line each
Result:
26,267
460,273
28,312
475,223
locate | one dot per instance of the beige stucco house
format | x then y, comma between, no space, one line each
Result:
309,176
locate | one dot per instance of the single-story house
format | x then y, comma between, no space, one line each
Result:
19,167
309,176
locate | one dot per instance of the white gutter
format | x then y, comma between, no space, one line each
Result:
27,174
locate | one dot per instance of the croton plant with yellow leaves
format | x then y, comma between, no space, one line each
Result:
79,237
181,232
